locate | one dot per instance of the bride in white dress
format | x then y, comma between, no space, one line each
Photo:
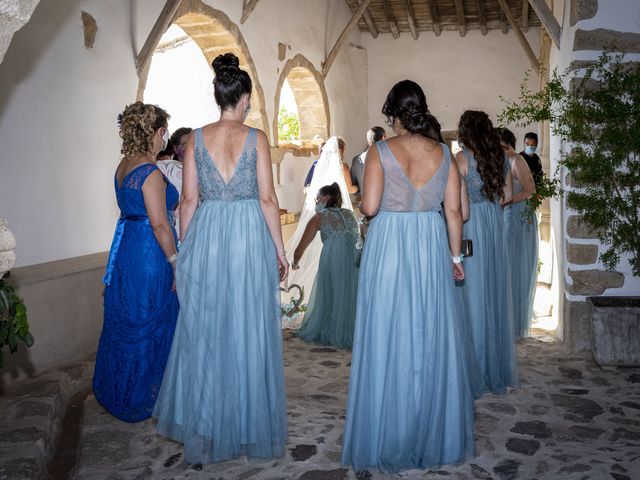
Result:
329,169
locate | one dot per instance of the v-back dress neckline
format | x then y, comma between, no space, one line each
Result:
406,177
215,166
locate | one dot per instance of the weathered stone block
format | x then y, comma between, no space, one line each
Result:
583,10
594,282
582,254
90,28
577,64
578,228
616,330
600,38
577,325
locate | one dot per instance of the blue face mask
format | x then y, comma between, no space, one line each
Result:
530,150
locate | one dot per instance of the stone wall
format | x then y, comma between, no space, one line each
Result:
589,26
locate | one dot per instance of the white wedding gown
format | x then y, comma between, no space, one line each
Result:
328,170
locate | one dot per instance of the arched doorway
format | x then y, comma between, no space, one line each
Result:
214,33
307,85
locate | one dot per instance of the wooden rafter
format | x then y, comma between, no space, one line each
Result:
525,15
391,18
326,65
521,38
481,16
434,17
249,7
503,22
162,23
462,25
371,25
411,18
548,20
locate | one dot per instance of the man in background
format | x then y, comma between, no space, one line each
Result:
374,134
531,157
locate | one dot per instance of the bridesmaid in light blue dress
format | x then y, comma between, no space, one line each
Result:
521,231
486,289
410,402
331,312
223,391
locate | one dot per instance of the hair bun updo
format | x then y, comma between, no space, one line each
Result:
230,82
226,67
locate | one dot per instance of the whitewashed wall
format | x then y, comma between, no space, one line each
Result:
457,73
59,101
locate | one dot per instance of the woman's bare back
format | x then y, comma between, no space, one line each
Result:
225,141
418,157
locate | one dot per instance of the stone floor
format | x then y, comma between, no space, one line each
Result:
569,420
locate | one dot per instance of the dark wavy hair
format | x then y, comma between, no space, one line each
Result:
230,82
334,194
476,132
507,136
406,102
179,133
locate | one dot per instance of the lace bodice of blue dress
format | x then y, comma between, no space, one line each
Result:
140,308
399,194
243,183
338,221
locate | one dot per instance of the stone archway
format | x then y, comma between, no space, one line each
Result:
215,33
310,94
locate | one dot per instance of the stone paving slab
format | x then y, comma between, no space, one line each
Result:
569,420
31,413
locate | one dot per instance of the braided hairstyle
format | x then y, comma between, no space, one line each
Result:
334,194
230,82
406,102
476,132
138,123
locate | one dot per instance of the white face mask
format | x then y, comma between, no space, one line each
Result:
320,206
165,139
530,149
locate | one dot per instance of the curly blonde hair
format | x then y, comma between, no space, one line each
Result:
138,123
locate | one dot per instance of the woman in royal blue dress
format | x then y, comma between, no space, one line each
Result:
223,391
140,304
486,289
410,401
331,312
521,230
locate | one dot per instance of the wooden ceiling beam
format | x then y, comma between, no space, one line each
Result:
162,23
481,16
503,22
548,20
462,25
411,19
433,12
249,7
371,25
391,18
342,39
525,15
521,38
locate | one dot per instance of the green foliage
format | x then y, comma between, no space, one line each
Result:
288,125
545,188
598,118
13,320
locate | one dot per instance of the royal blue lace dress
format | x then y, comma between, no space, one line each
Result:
522,246
331,313
223,391
486,289
140,310
410,402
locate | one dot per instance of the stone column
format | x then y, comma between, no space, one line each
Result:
14,14
7,248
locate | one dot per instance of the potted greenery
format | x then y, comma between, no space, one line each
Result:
597,115
13,313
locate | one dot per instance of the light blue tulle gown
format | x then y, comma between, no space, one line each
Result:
410,403
486,289
223,391
331,312
522,246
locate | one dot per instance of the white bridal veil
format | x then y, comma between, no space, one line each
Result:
328,170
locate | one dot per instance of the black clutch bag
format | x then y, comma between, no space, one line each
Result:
467,248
